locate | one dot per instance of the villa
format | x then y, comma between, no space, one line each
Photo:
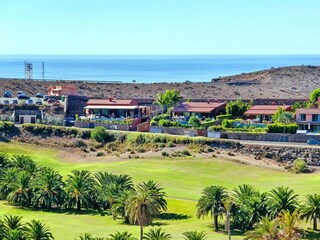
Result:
201,109
308,119
114,109
262,113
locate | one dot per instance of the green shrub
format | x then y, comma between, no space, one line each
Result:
207,124
225,116
194,121
100,134
218,128
299,166
282,128
161,116
7,126
100,154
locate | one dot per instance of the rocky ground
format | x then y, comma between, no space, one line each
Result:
294,82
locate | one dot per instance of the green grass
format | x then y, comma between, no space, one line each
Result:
183,180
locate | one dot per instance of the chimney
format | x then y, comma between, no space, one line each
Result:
110,99
208,101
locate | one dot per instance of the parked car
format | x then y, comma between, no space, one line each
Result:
7,94
52,100
19,93
39,102
15,101
23,96
39,95
6,102
46,98
30,101
313,142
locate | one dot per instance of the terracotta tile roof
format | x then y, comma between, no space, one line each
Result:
112,102
266,109
199,107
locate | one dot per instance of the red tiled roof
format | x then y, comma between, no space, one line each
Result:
107,102
199,107
266,109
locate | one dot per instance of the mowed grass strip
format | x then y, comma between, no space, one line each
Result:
183,180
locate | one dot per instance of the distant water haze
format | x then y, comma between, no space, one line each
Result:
146,69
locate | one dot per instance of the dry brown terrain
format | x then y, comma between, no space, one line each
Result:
282,83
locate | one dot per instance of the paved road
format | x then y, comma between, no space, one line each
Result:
269,143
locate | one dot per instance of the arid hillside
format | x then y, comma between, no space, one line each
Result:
286,82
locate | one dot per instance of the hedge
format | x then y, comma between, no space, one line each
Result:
282,128
7,126
41,129
225,116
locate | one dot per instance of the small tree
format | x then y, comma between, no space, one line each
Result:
194,121
299,166
237,108
315,95
99,134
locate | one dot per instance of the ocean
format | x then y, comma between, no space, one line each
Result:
145,69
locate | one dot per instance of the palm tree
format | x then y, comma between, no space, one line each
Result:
142,206
8,177
161,100
211,202
21,191
249,207
281,198
78,187
194,235
86,236
121,236
25,163
157,234
118,206
156,189
13,228
289,225
36,230
48,188
266,229
310,210
227,206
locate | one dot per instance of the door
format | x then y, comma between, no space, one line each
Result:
33,119
21,120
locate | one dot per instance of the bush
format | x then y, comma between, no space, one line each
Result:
225,116
161,116
218,128
282,128
207,124
79,143
194,121
299,166
99,134
100,154
7,126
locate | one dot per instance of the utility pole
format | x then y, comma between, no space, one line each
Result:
42,70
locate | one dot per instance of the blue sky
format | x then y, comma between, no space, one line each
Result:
159,27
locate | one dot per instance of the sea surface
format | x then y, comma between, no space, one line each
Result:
145,69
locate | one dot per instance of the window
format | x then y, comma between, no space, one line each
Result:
302,117
315,118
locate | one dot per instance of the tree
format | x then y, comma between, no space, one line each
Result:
282,116
250,206
21,191
169,98
194,235
25,163
121,236
13,228
78,188
157,234
315,94
289,225
310,210
227,206
194,121
281,198
211,202
142,206
36,230
48,188
237,108
7,179
266,229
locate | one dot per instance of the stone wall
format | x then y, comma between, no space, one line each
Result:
173,131
275,137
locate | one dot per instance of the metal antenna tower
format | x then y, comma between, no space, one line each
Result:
28,68
42,70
